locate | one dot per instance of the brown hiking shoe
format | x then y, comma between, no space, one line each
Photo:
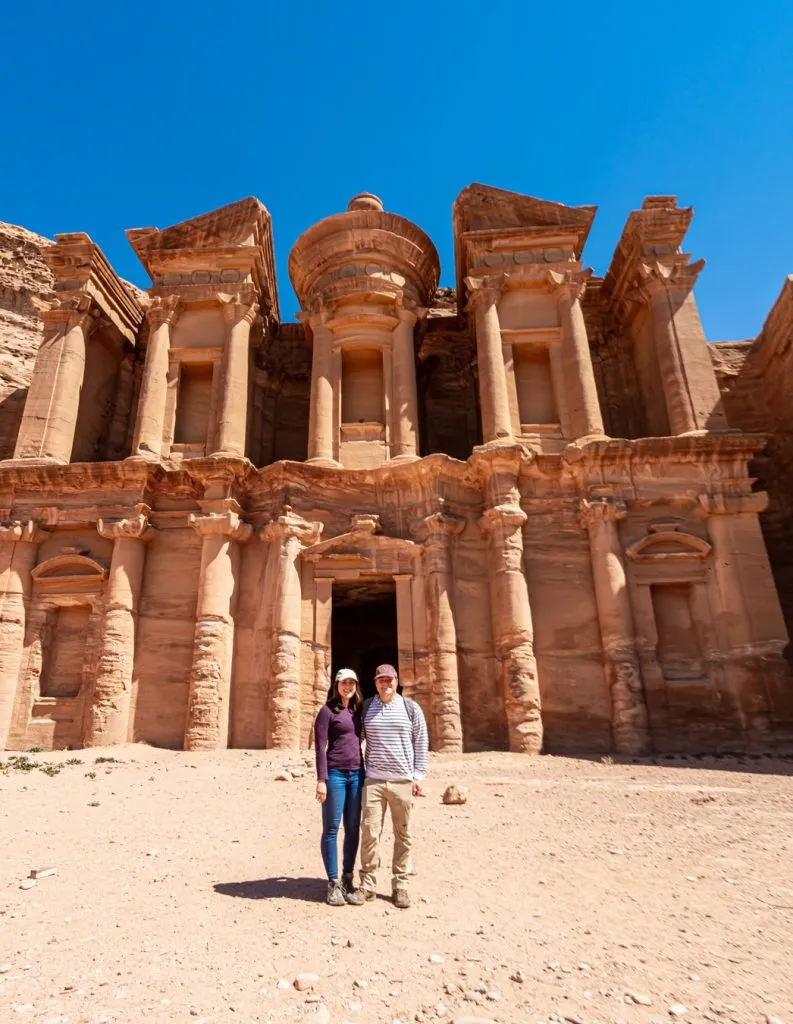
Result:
401,899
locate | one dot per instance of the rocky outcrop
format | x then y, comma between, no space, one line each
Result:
24,277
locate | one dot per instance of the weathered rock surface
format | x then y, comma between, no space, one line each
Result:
24,278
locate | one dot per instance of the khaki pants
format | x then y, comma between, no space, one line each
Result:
398,798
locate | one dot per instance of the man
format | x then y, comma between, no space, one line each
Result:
397,757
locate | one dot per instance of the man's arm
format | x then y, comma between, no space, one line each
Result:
421,749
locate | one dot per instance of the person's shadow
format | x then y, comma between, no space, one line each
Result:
279,888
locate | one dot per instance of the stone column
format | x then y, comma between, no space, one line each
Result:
213,645
513,629
753,631
53,401
240,315
437,531
109,721
320,414
150,422
404,444
691,392
286,535
493,393
579,377
629,719
19,545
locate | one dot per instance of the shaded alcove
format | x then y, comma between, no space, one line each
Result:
364,628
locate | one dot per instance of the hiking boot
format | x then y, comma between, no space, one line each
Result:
401,899
334,896
353,896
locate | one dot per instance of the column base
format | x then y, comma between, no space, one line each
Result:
406,457
32,460
324,463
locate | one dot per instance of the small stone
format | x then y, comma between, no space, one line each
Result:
774,1020
616,852
694,977
348,943
304,982
455,795
28,883
283,984
360,983
152,853
322,1016
283,777
441,1009
677,1009
436,958
640,998
5,968
313,999
296,773
517,976
42,872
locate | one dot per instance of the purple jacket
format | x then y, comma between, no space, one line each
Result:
337,741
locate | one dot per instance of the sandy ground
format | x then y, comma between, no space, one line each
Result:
189,885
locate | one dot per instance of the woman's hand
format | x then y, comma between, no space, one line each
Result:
322,792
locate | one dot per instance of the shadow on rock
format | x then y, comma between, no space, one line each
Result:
281,888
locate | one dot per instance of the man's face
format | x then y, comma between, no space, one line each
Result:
386,688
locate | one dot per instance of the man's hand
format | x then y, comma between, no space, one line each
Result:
417,790
322,792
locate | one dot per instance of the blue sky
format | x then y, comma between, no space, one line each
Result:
129,115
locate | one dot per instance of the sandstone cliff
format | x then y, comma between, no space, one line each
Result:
24,276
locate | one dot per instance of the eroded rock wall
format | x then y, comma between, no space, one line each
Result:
24,278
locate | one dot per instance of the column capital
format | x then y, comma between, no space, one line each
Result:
133,527
569,284
25,531
409,312
221,524
713,504
601,510
289,524
673,274
240,307
163,310
484,291
438,527
62,312
506,517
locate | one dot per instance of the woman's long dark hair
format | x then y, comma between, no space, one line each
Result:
335,703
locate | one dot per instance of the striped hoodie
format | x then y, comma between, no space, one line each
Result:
397,750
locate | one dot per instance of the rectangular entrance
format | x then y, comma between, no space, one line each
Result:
364,628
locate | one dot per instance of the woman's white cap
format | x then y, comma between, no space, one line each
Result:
345,673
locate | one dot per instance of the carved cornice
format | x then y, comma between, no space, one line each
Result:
79,266
714,504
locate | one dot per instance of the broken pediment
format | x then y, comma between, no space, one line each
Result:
235,240
484,208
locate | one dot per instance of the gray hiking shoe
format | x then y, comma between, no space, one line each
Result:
334,896
353,896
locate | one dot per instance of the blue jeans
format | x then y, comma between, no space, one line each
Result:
345,789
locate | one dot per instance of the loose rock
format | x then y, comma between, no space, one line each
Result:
677,1009
304,982
455,795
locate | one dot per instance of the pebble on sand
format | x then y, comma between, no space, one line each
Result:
304,982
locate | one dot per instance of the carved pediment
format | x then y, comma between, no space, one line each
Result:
363,547
666,542
69,565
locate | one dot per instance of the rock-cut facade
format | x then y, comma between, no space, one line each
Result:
525,491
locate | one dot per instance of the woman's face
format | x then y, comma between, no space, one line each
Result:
346,688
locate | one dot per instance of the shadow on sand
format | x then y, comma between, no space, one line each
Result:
279,888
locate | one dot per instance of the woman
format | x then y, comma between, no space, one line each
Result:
340,775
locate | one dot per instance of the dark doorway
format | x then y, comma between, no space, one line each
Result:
364,628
